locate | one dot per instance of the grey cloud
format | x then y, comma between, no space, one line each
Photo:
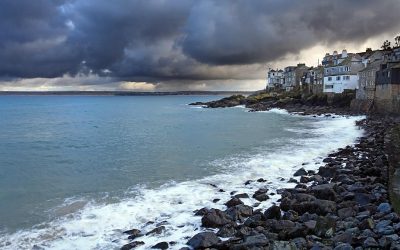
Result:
176,40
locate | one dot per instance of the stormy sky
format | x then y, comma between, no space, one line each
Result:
177,44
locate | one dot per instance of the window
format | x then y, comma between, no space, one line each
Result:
338,78
329,78
328,86
347,78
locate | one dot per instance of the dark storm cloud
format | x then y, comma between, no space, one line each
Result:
142,40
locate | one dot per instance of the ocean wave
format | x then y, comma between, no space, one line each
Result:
100,226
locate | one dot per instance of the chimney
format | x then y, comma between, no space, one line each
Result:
344,53
335,53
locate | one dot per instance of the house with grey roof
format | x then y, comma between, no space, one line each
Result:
341,71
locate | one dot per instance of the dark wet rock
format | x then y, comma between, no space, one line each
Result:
254,221
203,240
325,226
282,245
305,179
161,245
310,224
325,191
201,211
157,230
133,232
132,245
327,172
248,182
239,212
227,231
261,197
384,208
366,224
370,242
343,246
261,180
251,242
362,198
292,180
273,212
346,212
233,202
290,215
216,200
215,218
300,172
243,231
242,195
387,240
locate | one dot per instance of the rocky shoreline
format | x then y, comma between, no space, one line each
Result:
344,205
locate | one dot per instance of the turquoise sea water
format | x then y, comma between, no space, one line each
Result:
69,164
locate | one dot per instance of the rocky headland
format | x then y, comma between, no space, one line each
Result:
348,203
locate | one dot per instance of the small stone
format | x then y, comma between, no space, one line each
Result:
343,246
157,230
370,242
384,208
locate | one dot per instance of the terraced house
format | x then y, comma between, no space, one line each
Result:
341,71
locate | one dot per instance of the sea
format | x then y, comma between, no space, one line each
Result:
77,171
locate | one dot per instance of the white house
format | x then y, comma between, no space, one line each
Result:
274,78
341,72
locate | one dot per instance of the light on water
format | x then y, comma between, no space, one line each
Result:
77,171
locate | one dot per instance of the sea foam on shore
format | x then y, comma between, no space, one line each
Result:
100,226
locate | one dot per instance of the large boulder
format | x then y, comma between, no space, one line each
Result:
216,218
273,212
203,240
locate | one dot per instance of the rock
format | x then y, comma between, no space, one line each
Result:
203,240
256,240
201,211
292,180
325,226
215,218
157,230
384,208
305,179
310,224
387,240
132,232
343,246
239,212
254,221
226,231
132,245
261,197
362,198
261,180
324,191
346,212
242,195
161,245
327,172
290,215
367,224
370,242
282,245
273,212
233,202
300,172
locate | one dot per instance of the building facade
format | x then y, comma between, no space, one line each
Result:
275,79
341,72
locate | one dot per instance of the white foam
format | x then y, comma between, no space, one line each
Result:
100,226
